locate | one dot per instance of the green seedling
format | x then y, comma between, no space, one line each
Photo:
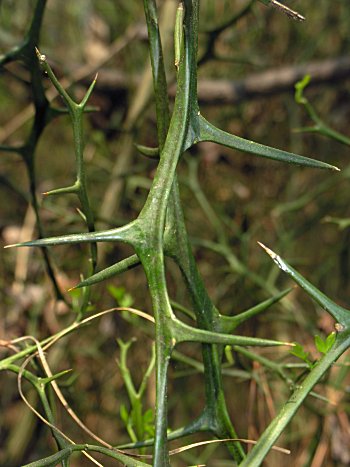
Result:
299,352
325,345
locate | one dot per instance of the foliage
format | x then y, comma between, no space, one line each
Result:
155,234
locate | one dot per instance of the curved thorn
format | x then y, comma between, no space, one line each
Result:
152,153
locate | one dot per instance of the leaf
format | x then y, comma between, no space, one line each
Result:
321,345
330,340
299,352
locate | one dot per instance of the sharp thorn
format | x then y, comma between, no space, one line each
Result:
268,251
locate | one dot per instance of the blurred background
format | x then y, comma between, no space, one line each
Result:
232,200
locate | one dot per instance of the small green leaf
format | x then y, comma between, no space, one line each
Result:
299,352
321,345
330,340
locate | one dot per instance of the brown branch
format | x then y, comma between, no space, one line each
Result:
273,81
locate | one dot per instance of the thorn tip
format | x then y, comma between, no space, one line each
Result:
268,251
41,58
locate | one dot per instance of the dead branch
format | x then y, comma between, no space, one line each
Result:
273,81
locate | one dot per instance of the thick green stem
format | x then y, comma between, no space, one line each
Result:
177,241
153,217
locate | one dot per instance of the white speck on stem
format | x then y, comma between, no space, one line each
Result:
277,259
339,327
41,57
280,263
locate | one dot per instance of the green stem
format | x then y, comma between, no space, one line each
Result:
64,454
177,244
41,390
277,426
152,218
25,52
